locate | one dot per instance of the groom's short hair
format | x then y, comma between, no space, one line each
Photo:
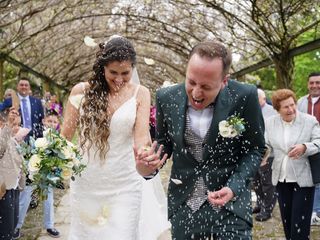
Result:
212,50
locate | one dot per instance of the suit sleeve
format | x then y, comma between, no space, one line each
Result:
38,126
162,136
253,146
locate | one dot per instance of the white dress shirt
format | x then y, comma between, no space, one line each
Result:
200,120
287,126
21,107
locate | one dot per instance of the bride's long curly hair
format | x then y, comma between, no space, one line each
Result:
95,119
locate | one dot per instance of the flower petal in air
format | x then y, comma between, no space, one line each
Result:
176,181
149,61
90,42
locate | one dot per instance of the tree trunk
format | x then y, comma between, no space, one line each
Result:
284,66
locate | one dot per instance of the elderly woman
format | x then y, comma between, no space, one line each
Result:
293,136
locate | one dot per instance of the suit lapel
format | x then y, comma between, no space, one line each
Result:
32,102
179,114
220,112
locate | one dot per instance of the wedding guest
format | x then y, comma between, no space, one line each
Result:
11,178
51,120
31,112
31,109
310,104
293,136
53,104
209,194
45,100
152,122
8,93
265,191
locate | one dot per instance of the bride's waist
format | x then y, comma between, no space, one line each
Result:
109,180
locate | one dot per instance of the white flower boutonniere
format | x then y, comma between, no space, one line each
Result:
232,127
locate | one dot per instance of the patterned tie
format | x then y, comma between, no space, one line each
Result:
26,115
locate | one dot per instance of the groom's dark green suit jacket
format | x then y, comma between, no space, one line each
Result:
227,161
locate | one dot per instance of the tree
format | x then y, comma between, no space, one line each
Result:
270,28
48,36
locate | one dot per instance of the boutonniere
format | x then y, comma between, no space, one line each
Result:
232,127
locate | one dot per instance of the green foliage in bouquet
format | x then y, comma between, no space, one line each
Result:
50,160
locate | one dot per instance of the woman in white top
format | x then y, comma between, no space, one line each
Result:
113,113
293,136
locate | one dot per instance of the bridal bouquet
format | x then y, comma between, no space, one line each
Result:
50,160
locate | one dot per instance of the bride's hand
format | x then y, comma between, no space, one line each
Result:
148,160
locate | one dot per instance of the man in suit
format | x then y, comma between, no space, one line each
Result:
310,104
208,193
31,109
32,114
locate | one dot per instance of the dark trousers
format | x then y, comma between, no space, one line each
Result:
9,213
296,209
207,224
265,191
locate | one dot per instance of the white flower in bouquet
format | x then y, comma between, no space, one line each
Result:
51,160
68,153
66,173
70,164
46,132
41,143
70,144
34,163
31,174
76,161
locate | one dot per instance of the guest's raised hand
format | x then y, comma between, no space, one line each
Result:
12,115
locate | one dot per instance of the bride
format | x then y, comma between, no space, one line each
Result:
111,200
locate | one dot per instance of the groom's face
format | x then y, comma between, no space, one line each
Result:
204,80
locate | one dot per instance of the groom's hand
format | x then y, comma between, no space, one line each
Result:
221,197
148,159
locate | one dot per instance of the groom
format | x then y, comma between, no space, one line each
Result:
208,193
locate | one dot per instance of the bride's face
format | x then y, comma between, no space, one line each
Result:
118,74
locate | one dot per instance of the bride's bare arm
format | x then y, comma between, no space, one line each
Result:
71,114
141,129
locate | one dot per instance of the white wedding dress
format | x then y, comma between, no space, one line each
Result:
111,200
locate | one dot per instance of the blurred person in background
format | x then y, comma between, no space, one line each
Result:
265,191
310,104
